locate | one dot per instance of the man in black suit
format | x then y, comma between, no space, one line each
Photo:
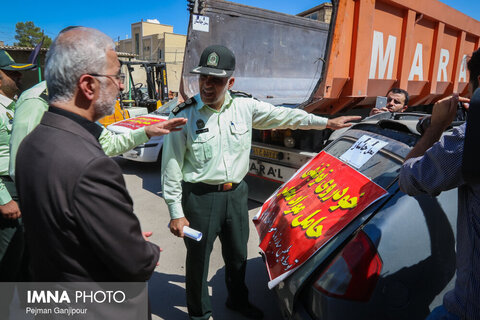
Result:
78,215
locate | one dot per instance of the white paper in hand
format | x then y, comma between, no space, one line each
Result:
192,233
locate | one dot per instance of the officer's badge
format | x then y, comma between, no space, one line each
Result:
10,117
200,124
212,60
201,127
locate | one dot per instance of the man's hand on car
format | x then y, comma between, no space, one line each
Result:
341,122
445,110
10,210
176,226
443,113
165,127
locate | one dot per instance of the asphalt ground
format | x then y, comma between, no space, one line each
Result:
166,287
167,284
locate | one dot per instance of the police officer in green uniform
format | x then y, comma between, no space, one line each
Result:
33,103
31,106
203,167
11,231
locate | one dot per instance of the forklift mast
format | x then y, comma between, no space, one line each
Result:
156,82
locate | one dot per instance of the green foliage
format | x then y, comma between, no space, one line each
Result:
28,35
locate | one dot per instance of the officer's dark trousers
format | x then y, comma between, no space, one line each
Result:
13,258
11,254
223,214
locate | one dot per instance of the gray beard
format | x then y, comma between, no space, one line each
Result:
105,105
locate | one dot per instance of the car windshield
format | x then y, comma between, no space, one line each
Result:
164,110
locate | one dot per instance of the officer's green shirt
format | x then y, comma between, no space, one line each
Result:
7,109
30,109
214,146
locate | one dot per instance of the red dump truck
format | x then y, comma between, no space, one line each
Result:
369,47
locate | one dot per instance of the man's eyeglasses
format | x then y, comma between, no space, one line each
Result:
119,77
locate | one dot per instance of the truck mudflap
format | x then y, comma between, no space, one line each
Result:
271,166
269,171
276,163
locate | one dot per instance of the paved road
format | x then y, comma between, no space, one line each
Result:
167,285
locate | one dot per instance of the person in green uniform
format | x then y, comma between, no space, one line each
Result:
11,231
30,107
32,104
203,167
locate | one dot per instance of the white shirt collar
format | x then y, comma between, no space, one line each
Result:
6,101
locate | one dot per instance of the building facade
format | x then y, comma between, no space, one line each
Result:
322,13
155,42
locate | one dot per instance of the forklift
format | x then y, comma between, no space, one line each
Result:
156,92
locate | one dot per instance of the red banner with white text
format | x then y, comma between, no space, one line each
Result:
309,209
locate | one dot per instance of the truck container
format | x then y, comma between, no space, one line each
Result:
331,69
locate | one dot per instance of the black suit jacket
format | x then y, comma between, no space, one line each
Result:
78,215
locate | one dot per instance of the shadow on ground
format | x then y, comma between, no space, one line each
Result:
259,294
167,294
149,172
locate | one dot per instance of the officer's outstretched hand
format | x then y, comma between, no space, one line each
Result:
176,226
165,127
341,122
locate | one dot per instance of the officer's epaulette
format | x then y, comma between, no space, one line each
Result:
240,94
180,107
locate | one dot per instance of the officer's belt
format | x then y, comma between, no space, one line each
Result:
204,187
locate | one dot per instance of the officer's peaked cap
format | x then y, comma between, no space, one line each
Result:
216,60
7,63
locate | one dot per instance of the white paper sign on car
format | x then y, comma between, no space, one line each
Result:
362,150
200,23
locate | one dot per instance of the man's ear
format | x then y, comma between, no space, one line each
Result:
405,107
87,86
231,81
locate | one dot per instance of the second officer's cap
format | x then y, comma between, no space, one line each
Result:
7,63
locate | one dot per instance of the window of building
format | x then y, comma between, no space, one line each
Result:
159,54
137,43
313,16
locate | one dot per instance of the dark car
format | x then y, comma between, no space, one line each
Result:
396,259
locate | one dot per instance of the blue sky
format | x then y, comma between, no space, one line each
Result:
115,17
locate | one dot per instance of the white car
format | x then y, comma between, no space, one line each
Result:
152,150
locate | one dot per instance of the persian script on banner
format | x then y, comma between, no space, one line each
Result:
308,210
